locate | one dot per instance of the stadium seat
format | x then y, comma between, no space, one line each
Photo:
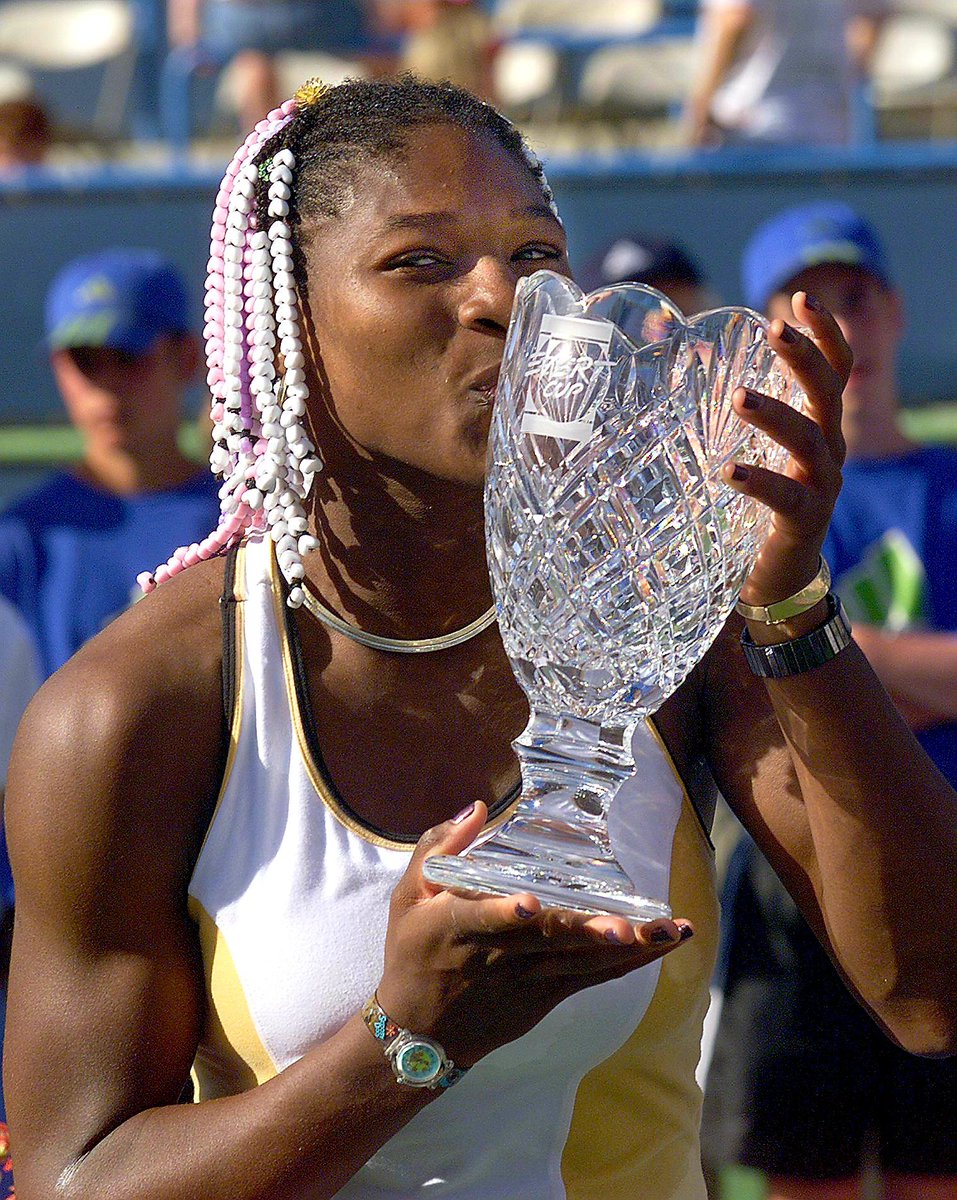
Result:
61,36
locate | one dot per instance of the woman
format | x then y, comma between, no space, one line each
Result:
256,904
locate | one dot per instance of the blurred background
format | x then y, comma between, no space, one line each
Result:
118,116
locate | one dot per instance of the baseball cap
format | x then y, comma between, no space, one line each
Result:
808,236
123,299
640,260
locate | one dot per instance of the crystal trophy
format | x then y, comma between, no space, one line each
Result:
616,553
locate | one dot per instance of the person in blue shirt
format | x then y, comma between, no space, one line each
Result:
122,353
801,1086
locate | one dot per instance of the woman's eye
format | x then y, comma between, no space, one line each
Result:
417,259
534,253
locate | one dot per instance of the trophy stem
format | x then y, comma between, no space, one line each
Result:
556,843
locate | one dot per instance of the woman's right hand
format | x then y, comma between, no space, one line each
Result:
477,972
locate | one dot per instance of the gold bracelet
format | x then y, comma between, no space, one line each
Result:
792,606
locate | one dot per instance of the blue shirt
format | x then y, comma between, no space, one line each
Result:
70,553
892,549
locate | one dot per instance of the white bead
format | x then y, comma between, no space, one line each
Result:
307,543
294,359
287,499
296,597
298,525
288,328
280,175
279,229
260,273
279,190
294,377
277,207
262,305
287,544
270,414
281,246
295,405
272,430
261,385
284,158
278,531
276,446
296,393
288,419
295,570
258,240
299,449
254,498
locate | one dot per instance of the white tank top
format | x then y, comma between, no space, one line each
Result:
291,893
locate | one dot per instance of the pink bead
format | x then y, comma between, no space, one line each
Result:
162,574
217,248
146,581
288,107
207,547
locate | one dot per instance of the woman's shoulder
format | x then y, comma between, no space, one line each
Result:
129,732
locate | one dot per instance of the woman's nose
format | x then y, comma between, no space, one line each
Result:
487,294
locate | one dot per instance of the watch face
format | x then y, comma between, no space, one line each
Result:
419,1062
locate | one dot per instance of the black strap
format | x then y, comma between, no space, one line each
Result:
227,608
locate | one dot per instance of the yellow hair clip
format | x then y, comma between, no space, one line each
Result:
311,92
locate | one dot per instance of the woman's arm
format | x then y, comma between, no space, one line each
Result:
114,777
820,766
919,670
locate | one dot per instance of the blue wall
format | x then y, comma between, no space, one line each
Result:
710,202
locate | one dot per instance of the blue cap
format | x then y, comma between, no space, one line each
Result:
808,236
123,299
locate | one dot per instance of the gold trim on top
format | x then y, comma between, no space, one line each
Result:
686,795
236,717
319,781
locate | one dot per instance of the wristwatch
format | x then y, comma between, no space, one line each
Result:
803,653
416,1061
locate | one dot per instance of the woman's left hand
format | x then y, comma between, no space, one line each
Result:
802,498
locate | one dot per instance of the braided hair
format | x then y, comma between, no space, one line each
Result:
294,170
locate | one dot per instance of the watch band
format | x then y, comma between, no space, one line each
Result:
803,653
416,1061
791,606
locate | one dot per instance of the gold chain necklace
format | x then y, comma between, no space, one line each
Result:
396,645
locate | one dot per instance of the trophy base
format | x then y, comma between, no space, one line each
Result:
601,889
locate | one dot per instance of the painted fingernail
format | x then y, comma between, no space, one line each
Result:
813,303
752,400
611,936
525,913
660,936
685,932
787,334
740,473
460,817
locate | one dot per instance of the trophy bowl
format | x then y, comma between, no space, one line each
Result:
616,553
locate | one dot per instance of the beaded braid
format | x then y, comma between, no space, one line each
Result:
261,451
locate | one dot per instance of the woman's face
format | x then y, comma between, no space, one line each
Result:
410,293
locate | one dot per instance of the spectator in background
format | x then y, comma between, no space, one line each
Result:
444,39
26,135
801,1083
250,33
780,72
19,679
122,355
657,262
